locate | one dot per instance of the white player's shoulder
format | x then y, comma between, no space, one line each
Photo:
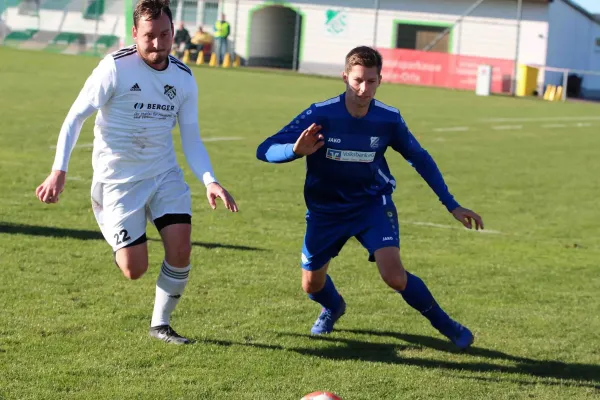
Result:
105,67
180,66
115,59
123,53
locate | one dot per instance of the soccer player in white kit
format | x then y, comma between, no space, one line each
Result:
140,92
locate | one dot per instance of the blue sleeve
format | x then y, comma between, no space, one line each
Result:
279,147
406,144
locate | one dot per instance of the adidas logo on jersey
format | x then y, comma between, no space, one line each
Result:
135,88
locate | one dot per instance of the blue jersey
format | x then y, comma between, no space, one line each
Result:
350,171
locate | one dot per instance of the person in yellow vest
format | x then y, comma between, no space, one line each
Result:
222,29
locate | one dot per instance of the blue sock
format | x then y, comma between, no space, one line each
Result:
418,297
328,297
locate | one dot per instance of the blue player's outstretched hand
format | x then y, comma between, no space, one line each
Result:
467,217
310,140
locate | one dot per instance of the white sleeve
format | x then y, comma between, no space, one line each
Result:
195,153
98,89
193,148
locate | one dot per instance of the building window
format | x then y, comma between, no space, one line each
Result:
417,37
190,10
210,14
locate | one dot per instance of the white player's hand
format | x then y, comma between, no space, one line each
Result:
214,190
52,187
309,141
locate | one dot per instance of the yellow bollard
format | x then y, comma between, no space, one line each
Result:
186,57
213,60
227,61
200,59
237,62
547,92
552,93
559,93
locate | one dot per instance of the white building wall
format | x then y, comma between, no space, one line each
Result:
489,32
571,44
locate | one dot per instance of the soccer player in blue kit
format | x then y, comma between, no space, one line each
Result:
348,191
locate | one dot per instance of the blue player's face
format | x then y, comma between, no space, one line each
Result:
361,84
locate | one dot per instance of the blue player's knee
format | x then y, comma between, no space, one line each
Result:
394,276
314,281
395,281
312,286
390,267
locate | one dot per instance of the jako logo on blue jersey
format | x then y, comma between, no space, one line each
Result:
334,140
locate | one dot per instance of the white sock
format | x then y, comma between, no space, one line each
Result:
169,288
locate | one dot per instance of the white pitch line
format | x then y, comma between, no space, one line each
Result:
542,119
554,126
209,139
582,124
507,127
221,139
433,225
452,129
79,146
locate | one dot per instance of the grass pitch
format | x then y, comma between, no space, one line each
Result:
73,328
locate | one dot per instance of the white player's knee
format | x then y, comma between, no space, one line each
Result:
134,271
179,254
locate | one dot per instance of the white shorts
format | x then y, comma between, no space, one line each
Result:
121,209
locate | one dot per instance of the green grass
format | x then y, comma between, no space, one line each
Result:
73,328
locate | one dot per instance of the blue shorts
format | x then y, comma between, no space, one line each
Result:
376,228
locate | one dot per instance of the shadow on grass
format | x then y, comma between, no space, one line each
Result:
82,234
574,374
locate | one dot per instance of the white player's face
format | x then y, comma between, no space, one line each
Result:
154,39
361,84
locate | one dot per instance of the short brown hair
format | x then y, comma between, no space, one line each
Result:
366,56
151,9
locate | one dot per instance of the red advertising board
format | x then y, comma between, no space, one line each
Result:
443,70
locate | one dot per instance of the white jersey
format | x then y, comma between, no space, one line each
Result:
138,107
